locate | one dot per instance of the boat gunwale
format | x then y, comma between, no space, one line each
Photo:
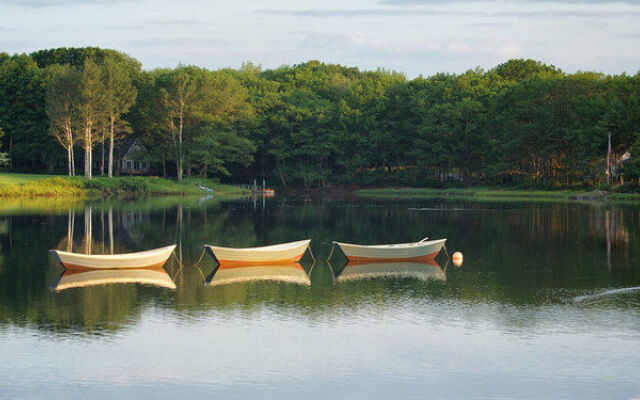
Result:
393,245
269,248
138,254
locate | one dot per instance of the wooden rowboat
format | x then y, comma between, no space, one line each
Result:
284,253
418,251
143,259
288,273
143,276
425,271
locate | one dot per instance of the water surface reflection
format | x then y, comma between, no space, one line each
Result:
233,274
515,254
79,278
358,270
508,315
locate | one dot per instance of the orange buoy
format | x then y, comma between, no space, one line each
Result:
457,259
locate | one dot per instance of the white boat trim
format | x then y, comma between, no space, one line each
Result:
142,259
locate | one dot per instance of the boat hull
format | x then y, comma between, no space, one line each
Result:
145,259
285,253
418,251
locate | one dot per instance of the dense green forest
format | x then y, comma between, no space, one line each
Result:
315,124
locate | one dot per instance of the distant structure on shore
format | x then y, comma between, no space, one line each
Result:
131,162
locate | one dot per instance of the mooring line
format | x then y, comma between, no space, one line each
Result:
311,269
445,266
177,259
333,273
333,246
201,255
311,252
201,274
179,269
175,275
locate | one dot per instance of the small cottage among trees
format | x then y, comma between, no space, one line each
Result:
135,160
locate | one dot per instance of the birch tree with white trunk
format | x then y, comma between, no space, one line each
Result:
120,95
90,108
62,91
181,98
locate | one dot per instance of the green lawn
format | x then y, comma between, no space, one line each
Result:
468,192
496,193
28,185
16,179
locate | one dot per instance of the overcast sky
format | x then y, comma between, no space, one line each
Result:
411,36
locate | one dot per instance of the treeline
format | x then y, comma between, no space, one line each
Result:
316,124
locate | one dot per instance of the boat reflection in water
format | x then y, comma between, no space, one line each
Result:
238,273
78,278
422,270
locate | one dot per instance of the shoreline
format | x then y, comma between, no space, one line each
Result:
24,186
497,193
42,186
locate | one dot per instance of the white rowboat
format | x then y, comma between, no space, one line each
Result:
423,250
288,273
425,271
285,253
83,278
143,259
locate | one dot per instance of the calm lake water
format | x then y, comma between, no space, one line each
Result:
526,316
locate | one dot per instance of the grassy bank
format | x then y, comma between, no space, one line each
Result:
62,205
500,193
25,185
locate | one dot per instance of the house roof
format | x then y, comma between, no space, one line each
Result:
130,146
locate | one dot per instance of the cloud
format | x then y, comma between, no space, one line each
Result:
392,54
181,22
578,13
165,24
53,3
439,2
509,51
488,24
345,43
192,42
10,45
412,11
459,48
362,12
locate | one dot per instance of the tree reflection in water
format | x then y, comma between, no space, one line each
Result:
515,253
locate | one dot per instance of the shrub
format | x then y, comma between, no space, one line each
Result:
138,184
627,188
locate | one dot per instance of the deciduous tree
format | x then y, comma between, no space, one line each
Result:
90,105
62,93
119,96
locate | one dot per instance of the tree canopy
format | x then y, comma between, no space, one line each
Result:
316,124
